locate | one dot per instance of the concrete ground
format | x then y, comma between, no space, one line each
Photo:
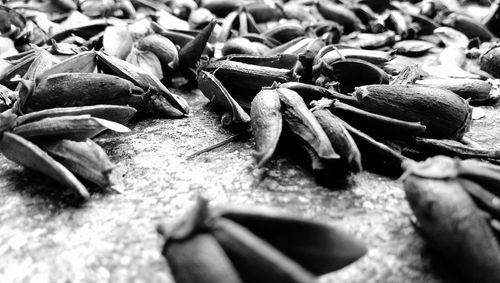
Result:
112,238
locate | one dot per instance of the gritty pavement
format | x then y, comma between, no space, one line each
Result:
112,238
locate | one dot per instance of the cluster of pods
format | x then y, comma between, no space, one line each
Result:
377,84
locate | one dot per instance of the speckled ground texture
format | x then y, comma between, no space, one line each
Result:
112,238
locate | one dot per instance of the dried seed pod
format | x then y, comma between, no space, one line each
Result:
451,221
87,160
286,32
31,156
163,48
371,56
177,106
244,81
212,88
413,48
254,259
117,41
67,127
444,113
369,40
293,10
264,11
313,92
61,90
477,91
320,248
84,62
282,61
146,61
199,258
492,20
340,14
191,52
7,120
221,8
239,45
468,26
366,74
18,67
116,113
302,123
340,139
377,156
490,61
42,62
7,98
267,123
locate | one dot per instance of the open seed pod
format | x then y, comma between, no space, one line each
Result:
449,198
253,245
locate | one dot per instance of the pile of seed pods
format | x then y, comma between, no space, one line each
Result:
351,85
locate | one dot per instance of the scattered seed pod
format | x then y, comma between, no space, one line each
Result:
490,60
267,123
478,91
247,249
444,113
31,156
413,48
117,41
219,98
147,61
437,192
163,48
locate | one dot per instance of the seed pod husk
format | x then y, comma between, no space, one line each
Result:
445,114
221,8
366,74
87,160
244,81
468,26
318,247
191,52
313,92
453,148
282,61
492,20
24,152
267,123
116,113
163,48
84,62
177,38
144,80
192,253
413,48
7,120
369,40
42,62
212,88
254,259
280,49
478,91
69,127
377,156
264,11
18,68
371,56
340,14
453,223
239,45
490,61
7,98
370,122
199,258
340,139
146,61
293,10
285,32
302,123
117,41
80,89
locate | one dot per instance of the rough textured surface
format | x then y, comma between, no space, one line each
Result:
112,238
